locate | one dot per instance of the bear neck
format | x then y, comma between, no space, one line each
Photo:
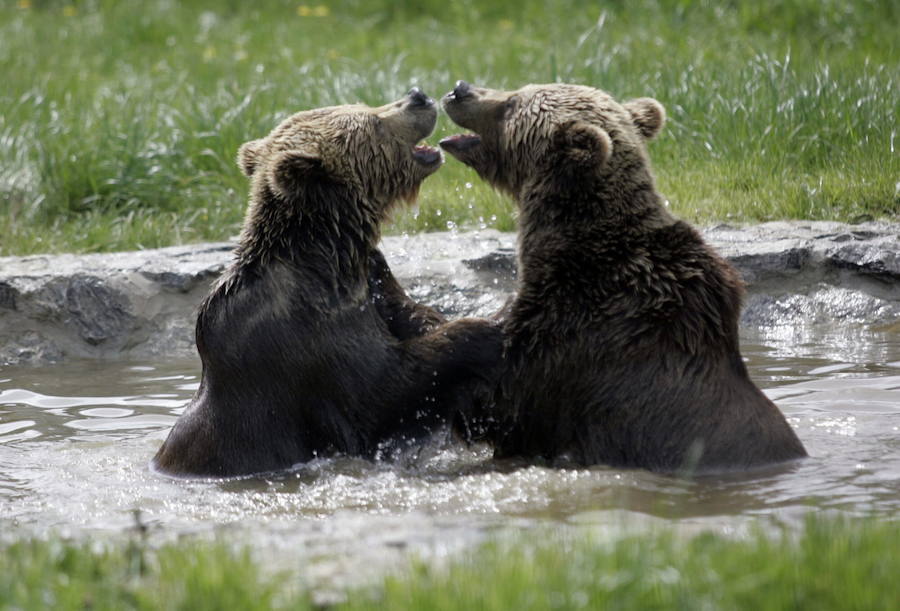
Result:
325,237
565,216
591,204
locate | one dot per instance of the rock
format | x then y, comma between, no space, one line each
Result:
501,261
867,258
142,304
104,305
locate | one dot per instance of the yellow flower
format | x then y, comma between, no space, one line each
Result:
505,24
313,11
70,11
332,54
209,53
24,4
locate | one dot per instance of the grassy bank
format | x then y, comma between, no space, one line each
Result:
830,564
119,121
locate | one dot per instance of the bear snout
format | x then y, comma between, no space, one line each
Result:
417,98
462,90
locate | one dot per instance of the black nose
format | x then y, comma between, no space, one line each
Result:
462,90
418,98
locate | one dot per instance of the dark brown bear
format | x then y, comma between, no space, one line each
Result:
309,346
622,343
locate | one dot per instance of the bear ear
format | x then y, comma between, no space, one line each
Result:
583,143
647,114
291,170
250,155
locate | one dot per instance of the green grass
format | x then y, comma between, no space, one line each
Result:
829,564
57,575
120,120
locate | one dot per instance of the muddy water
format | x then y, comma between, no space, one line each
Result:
75,441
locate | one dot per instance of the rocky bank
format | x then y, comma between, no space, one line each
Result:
142,304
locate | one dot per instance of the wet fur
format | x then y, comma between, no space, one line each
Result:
622,343
309,345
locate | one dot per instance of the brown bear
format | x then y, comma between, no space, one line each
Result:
621,346
309,345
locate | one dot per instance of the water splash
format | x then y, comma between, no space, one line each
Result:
74,458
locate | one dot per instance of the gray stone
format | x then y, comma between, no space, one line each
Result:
142,304
867,258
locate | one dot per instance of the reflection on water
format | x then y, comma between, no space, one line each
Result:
76,439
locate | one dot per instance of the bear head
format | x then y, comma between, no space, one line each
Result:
570,131
342,155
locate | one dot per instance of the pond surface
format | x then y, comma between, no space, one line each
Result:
76,439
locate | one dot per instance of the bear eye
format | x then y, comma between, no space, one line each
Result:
510,106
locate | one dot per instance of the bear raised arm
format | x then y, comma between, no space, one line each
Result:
405,317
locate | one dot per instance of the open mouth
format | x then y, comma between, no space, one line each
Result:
426,155
460,143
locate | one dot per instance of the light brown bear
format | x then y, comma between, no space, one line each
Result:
621,346
309,345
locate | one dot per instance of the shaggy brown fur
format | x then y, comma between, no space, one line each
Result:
309,345
622,344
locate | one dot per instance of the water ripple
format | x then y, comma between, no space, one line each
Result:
75,458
